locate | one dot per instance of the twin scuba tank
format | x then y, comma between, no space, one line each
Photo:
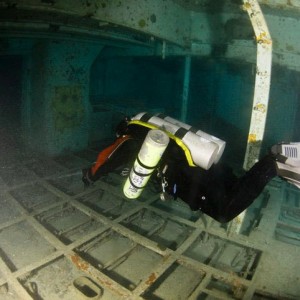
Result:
201,149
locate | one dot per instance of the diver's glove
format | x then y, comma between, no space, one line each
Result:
287,156
86,178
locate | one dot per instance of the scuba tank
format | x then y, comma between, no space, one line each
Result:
148,157
201,149
221,144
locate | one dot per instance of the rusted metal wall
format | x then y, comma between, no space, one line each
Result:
225,30
67,94
57,95
200,26
162,19
197,27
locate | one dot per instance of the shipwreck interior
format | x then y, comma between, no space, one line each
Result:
70,71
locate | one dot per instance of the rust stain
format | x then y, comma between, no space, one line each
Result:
252,138
151,279
260,107
79,263
246,6
238,288
107,283
263,39
110,286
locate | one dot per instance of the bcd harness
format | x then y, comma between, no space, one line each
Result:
199,151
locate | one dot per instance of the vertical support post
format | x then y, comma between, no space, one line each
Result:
261,94
262,82
186,88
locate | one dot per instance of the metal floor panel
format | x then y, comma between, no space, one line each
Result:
61,241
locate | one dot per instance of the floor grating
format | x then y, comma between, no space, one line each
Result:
61,241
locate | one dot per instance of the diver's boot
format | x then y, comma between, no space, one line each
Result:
287,156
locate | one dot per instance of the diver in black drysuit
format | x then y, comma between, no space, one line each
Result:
217,192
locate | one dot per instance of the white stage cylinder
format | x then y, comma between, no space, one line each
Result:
204,150
149,155
221,144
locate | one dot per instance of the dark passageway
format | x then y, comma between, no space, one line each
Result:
10,100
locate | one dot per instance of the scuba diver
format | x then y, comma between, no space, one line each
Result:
189,168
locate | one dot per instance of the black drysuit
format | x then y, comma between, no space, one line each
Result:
217,192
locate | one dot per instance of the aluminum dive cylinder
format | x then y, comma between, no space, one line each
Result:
221,144
204,151
148,157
